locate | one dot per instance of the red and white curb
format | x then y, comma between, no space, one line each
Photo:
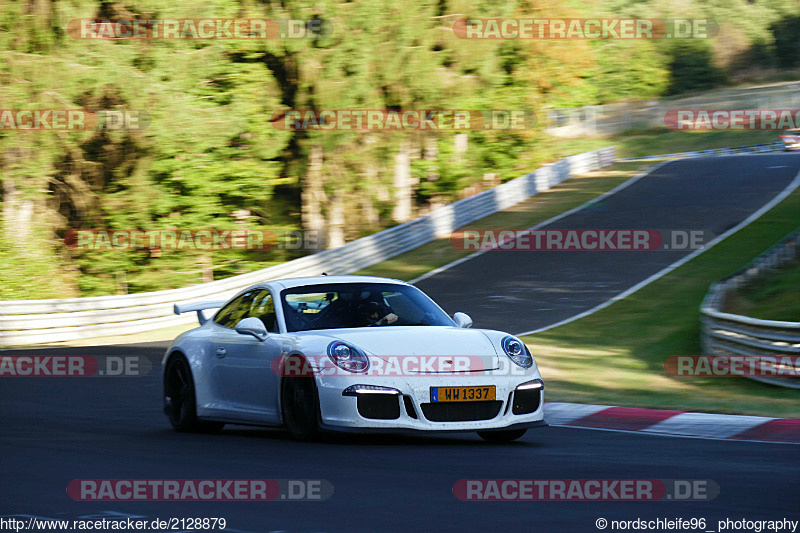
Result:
663,422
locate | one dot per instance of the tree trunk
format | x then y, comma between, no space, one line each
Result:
122,281
402,184
460,145
207,266
336,220
313,195
17,214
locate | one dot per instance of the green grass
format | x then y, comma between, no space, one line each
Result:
616,356
775,297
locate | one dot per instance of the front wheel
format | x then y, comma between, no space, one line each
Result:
179,398
502,436
300,407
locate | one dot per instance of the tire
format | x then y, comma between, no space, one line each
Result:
300,407
502,436
179,399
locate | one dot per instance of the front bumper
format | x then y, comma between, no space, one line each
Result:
415,431
410,407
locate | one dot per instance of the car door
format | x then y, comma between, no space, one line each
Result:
242,371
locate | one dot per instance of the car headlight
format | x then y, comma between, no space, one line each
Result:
348,357
517,351
355,390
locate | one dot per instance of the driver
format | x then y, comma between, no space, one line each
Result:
376,314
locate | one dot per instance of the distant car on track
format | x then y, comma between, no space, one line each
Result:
791,139
345,353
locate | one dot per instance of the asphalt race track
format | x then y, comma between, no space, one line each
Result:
59,429
522,291
54,430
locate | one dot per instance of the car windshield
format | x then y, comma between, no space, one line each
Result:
355,305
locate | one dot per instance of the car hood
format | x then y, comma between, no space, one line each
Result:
471,347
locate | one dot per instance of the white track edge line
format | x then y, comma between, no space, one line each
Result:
673,435
546,222
624,294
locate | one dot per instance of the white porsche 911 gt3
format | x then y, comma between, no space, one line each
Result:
344,353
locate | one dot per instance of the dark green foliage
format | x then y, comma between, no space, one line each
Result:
210,156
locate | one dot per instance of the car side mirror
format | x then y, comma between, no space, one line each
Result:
463,320
252,326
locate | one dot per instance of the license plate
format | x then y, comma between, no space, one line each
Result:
462,394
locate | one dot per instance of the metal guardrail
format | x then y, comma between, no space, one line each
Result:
729,334
749,149
24,322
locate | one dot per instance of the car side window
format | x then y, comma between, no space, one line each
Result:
231,314
264,308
